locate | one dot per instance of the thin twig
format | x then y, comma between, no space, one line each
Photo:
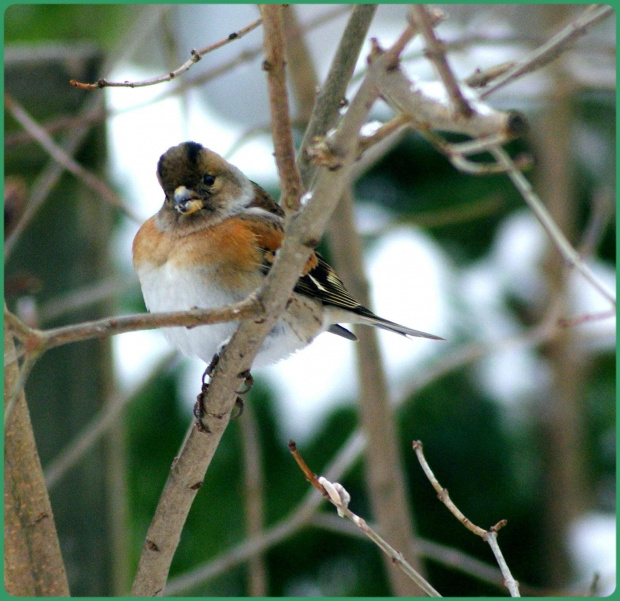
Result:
511,584
552,48
244,56
389,128
195,56
457,152
59,155
449,557
436,54
338,496
557,237
490,536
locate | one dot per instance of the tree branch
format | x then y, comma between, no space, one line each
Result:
332,93
551,49
274,65
32,559
557,237
60,156
490,536
339,497
436,53
195,56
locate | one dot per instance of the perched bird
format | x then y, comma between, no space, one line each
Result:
212,243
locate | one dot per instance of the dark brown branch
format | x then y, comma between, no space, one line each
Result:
274,65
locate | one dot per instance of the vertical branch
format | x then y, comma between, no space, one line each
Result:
300,66
386,483
254,499
274,65
560,419
33,565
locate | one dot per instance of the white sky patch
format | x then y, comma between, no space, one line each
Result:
135,354
593,546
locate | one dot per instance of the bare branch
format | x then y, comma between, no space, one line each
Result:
428,111
59,155
338,496
489,536
557,237
332,94
33,564
451,557
44,340
436,53
551,49
195,56
274,65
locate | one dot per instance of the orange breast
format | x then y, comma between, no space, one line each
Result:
228,251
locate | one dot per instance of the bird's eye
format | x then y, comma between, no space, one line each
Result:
208,179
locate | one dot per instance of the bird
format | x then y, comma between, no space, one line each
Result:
212,243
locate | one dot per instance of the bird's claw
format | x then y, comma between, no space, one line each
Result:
199,407
238,410
248,382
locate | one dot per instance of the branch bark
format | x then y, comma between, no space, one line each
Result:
33,565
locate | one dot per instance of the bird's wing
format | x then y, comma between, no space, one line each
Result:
318,280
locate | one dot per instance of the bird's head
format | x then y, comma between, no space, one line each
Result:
198,182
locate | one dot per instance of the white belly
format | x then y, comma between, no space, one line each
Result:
166,289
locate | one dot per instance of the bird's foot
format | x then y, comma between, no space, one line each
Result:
211,367
199,406
248,382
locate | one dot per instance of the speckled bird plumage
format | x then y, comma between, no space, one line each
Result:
212,243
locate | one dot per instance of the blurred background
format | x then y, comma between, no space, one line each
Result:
517,416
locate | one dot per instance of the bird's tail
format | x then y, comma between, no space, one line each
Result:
397,328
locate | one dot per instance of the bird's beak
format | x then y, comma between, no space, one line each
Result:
186,202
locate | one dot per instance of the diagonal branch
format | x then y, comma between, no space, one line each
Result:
557,237
63,158
332,93
551,49
435,52
490,536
